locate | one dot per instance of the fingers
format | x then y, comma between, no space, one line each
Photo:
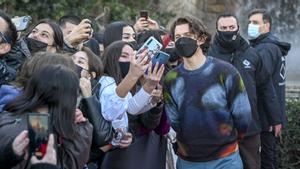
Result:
156,67
85,86
126,141
159,87
142,56
20,143
150,69
23,135
34,160
50,145
161,71
79,116
50,156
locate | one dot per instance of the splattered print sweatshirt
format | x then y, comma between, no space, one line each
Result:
208,108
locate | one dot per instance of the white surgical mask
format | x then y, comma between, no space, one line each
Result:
253,31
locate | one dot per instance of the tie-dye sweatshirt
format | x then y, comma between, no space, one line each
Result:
208,108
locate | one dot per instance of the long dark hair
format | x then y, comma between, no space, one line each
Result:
56,87
95,63
111,57
113,32
58,34
38,61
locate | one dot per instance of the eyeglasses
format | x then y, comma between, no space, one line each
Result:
4,39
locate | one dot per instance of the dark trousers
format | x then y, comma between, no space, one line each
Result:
268,150
250,151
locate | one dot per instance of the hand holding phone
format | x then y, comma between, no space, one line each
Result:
50,156
38,131
144,14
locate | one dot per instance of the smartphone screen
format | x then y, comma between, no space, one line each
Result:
153,47
38,131
144,14
21,23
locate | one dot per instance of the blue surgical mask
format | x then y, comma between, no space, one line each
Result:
253,31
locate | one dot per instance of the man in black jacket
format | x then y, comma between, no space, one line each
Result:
8,37
273,55
230,46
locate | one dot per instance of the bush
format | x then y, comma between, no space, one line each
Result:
112,10
289,146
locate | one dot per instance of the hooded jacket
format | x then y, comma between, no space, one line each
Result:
273,53
256,78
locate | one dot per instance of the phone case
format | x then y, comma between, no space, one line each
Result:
153,47
161,58
21,23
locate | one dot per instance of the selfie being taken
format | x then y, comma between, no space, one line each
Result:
173,84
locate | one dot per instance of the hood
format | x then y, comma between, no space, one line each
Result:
270,38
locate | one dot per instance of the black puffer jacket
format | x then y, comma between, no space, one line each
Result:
256,78
273,53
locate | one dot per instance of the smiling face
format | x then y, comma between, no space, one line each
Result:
43,33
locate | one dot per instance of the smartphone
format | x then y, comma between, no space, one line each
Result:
161,58
153,47
144,14
89,22
38,132
22,22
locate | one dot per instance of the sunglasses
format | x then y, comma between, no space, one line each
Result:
4,38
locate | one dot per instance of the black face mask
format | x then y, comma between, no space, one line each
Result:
186,47
134,45
35,45
228,39
173,54
124,66
78,70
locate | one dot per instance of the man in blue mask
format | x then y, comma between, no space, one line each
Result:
273,53
230,46
8,37
206,102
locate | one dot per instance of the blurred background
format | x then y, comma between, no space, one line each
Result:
286,16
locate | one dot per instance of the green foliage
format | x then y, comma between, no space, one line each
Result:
289,147
127,10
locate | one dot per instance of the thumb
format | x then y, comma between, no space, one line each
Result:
50,144
34,160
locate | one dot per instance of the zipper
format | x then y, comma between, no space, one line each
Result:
14,122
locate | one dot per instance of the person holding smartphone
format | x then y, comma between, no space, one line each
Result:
53,90
144,22
129,105
18,149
